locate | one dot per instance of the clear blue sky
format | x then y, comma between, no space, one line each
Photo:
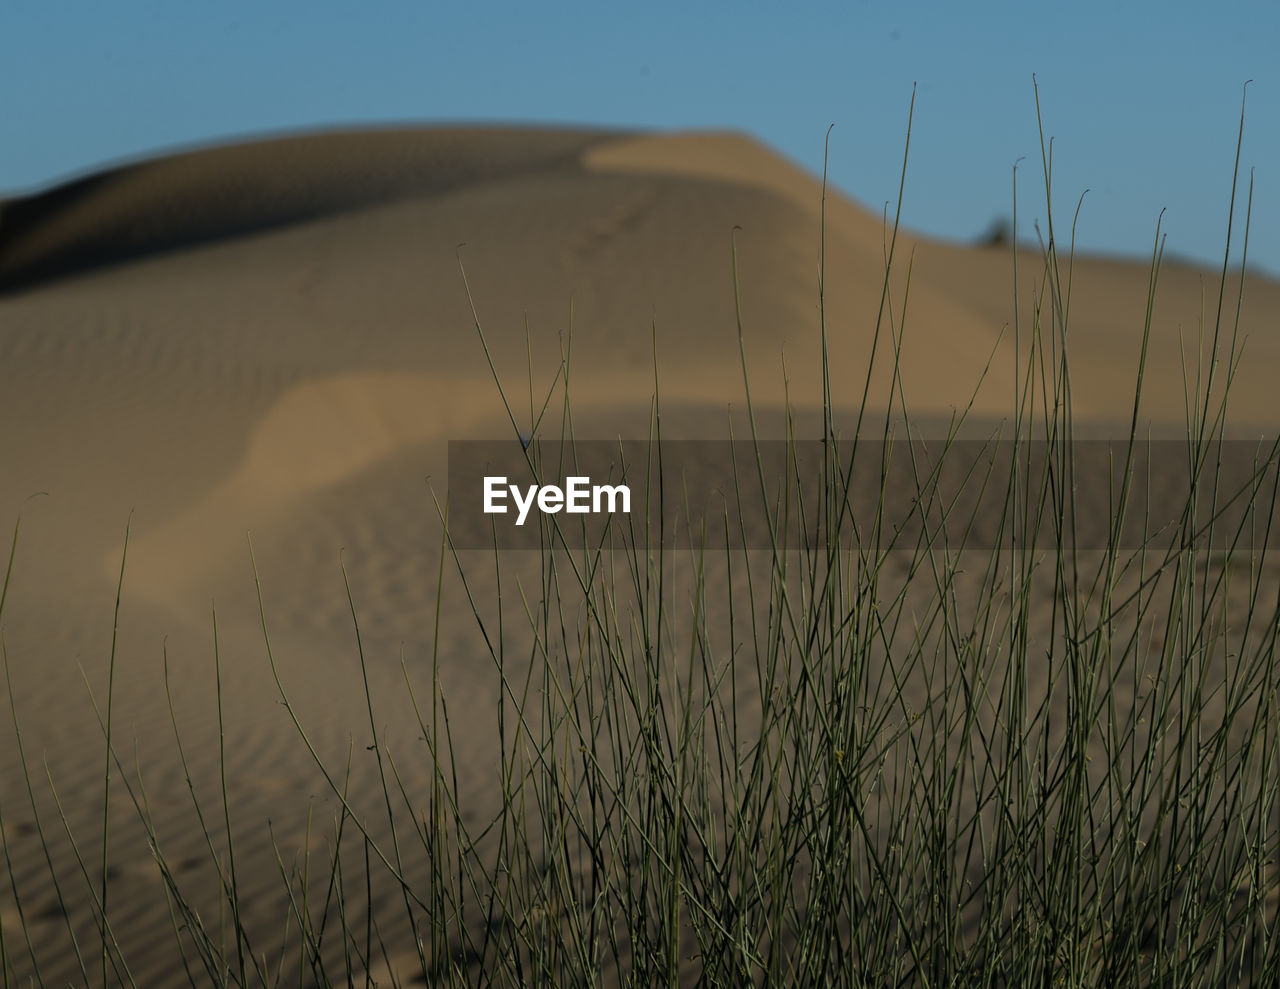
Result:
1143,100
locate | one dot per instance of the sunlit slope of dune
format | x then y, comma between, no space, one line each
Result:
215,314
255,296
960,307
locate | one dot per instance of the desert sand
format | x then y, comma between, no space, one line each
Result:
275,339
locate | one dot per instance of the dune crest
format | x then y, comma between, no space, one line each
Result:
181,200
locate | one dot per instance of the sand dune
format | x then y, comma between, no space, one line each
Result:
276,338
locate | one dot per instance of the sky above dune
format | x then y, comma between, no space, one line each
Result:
1142,102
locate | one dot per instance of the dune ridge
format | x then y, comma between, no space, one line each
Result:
115,215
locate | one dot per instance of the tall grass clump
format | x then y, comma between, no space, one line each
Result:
878,757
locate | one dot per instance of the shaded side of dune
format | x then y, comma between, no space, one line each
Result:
135,211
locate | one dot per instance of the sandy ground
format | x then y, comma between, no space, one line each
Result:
276,339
